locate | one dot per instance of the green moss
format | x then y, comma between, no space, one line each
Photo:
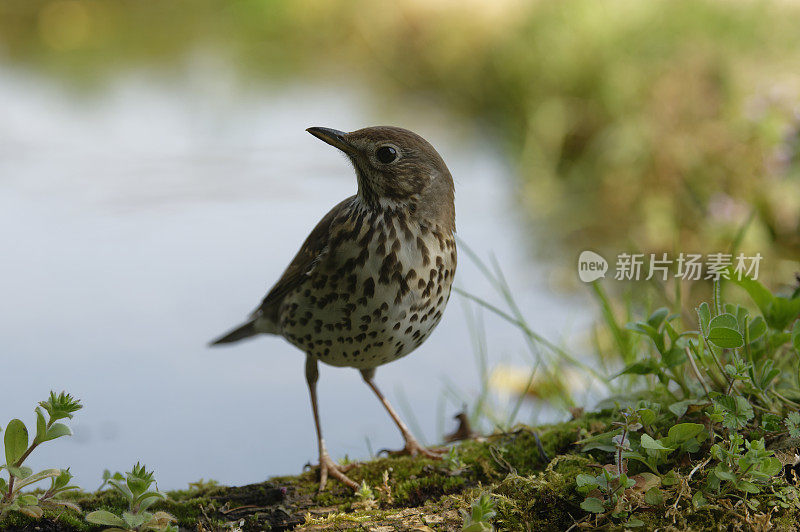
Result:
412,493
547,499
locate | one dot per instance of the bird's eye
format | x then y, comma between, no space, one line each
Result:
386,154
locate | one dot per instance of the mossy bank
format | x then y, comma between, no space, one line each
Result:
418,494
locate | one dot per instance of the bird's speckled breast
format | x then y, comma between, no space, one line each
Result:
375,294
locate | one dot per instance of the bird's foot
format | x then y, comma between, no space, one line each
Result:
413,448
327,467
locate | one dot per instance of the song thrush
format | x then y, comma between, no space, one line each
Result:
372,279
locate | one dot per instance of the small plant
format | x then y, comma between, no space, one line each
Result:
365,493
479,519
743,465
792,422
107,475
735,378
135,488
453,460
17,449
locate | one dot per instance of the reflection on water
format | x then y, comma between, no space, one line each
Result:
141,221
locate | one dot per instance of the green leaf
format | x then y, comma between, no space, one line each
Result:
585,483
782,312
593,505
757,291
27,500
725,320
771,466
723,473
147,502
657,317
62,480
674,357
649,443
698,501
41,475
646,416
648,330
135,520
704,317
757,328
41,425
737,410
122,488
32,510
771,422
793,424
643,367
634,523
670,479
796,337
748,487
691,446
684,431
16,441
679,408
654,497
103,517
725,337
20,472
56,431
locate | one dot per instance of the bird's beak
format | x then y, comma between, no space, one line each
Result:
333,137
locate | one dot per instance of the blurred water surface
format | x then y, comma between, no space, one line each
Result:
140,220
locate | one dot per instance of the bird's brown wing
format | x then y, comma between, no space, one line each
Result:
302,264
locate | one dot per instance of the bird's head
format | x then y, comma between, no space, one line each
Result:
397,168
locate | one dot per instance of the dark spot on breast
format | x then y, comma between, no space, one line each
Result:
369,287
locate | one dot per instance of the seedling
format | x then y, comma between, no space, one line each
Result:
481,513
17,449
135,488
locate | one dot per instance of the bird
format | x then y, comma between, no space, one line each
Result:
373,278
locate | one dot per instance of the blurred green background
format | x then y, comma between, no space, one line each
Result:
659,125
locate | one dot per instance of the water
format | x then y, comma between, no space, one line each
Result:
140,220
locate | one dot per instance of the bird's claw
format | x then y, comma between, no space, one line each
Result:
327,467
413,448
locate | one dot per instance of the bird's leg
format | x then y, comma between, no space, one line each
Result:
326,465
412,446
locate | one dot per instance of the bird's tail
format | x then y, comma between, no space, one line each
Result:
239,333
